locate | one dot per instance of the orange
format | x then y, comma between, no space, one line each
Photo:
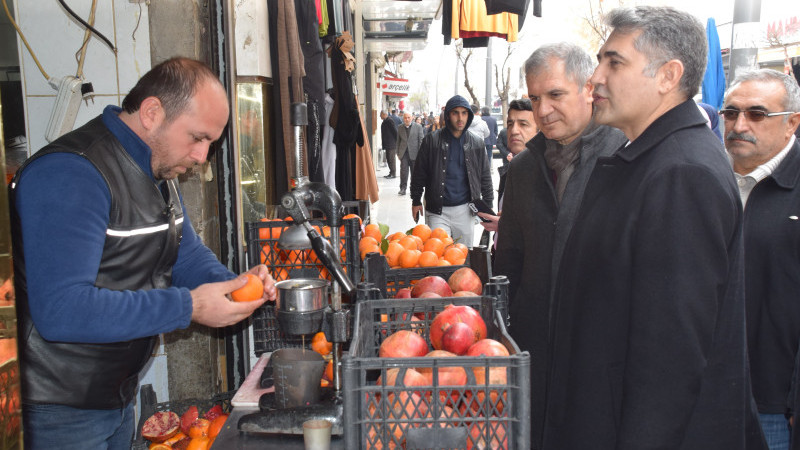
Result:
464,249
419,241
369,248
428,259
444,262
321,345
354,216
396,236
367,241
393,254
454,256
422,230
280,273
328,374
252,290
199,443
216,425
174,439
409,243
447,241
199,428
409,258
374,231
155,446
434,245
439,233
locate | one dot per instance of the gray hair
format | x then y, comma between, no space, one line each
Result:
667,34
791,98
578,64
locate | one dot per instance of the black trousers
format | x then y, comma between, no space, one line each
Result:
391,156
406,167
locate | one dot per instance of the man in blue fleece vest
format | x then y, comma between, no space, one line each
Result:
106,258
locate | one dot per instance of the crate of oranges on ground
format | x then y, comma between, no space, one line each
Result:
393,261
262,248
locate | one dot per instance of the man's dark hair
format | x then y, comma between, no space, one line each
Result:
475,109
485,111
522,104
174,82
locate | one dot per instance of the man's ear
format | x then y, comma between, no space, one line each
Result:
669,76
793,121
151,113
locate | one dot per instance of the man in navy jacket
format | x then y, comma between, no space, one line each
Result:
761,112
105,256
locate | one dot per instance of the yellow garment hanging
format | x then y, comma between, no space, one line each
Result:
470,15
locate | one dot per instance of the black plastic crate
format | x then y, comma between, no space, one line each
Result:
380,416
150,405
262,239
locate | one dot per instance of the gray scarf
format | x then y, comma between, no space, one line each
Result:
563,159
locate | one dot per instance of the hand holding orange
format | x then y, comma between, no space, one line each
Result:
252,290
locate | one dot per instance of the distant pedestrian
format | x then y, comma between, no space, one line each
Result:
389,142
409,138
491,122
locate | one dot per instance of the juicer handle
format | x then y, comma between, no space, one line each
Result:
326,255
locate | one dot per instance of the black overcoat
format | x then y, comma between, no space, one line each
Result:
649,340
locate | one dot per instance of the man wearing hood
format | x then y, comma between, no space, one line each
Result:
453,170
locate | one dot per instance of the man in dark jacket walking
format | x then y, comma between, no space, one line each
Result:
648,346
491,122
452,170
409,138
389,142
761,115
544,188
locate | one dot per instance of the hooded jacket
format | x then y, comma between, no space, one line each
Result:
430,168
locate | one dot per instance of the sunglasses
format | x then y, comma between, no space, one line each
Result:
752,115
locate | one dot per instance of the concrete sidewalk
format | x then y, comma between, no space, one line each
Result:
395,210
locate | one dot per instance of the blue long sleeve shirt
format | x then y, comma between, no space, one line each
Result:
64,205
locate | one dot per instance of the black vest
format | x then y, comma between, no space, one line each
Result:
141,246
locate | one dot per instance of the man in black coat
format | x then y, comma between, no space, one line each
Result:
766,163
648,338
389,142
491,122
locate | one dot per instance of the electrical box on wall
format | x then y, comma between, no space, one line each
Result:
65,110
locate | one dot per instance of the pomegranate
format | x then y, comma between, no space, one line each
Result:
451,315
403,344
403,293
458,338
429,295
431,283
213,413
487,436
497,375
465,279
188,418
411,378
161,426
446,376
463,294
403,409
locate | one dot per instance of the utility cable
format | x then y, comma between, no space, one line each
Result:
83,22
87,34
25,41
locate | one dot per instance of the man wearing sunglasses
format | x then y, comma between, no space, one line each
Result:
761,116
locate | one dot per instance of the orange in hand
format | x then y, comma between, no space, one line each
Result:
252,290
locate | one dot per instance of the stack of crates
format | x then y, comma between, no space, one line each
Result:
474,415
262,239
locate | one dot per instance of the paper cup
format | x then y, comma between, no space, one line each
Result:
317,434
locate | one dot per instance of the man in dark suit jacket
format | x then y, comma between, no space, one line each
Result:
409,138
648,335
491,122
766,164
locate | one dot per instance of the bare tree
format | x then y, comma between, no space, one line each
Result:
778,35
596,30
464,58
502,80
